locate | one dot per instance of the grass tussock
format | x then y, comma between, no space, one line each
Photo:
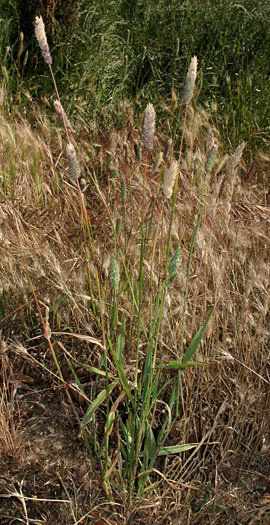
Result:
123,254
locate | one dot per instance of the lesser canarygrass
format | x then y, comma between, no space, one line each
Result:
42,40
139,447
140,397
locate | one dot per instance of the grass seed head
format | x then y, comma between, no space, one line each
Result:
138,153
148,131
212,157
188,89
114,273
123,191
118,226
74,167
20,50
170,179
61,114
42,40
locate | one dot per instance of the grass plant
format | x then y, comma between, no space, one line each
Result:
140,394
116,248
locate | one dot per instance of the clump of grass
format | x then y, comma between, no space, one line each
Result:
140,296
140,394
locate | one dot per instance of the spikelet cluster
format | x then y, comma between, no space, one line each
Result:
114,273
42,40
148,131
138,153
211,159
235,158
61,114
123,191
170,179
188,89
74,167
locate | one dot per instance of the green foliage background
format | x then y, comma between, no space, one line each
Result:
140,50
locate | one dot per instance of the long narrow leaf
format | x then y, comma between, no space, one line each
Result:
176,365
150,443
176,449
196,339
97,402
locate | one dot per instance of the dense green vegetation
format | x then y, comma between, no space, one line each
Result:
140,50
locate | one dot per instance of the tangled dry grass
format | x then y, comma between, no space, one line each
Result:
225,405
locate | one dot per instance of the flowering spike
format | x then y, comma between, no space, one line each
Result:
123,191
148,130
42,40
212,157
74,167
114,273
61,114
188,89
170,179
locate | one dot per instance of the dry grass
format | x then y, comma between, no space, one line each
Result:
225,406
10,440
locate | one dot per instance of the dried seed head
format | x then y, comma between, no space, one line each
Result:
188,89
235,158
158,161
42,40
20,50
212,157
114,273
74,167
170,178
148,131
61,114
